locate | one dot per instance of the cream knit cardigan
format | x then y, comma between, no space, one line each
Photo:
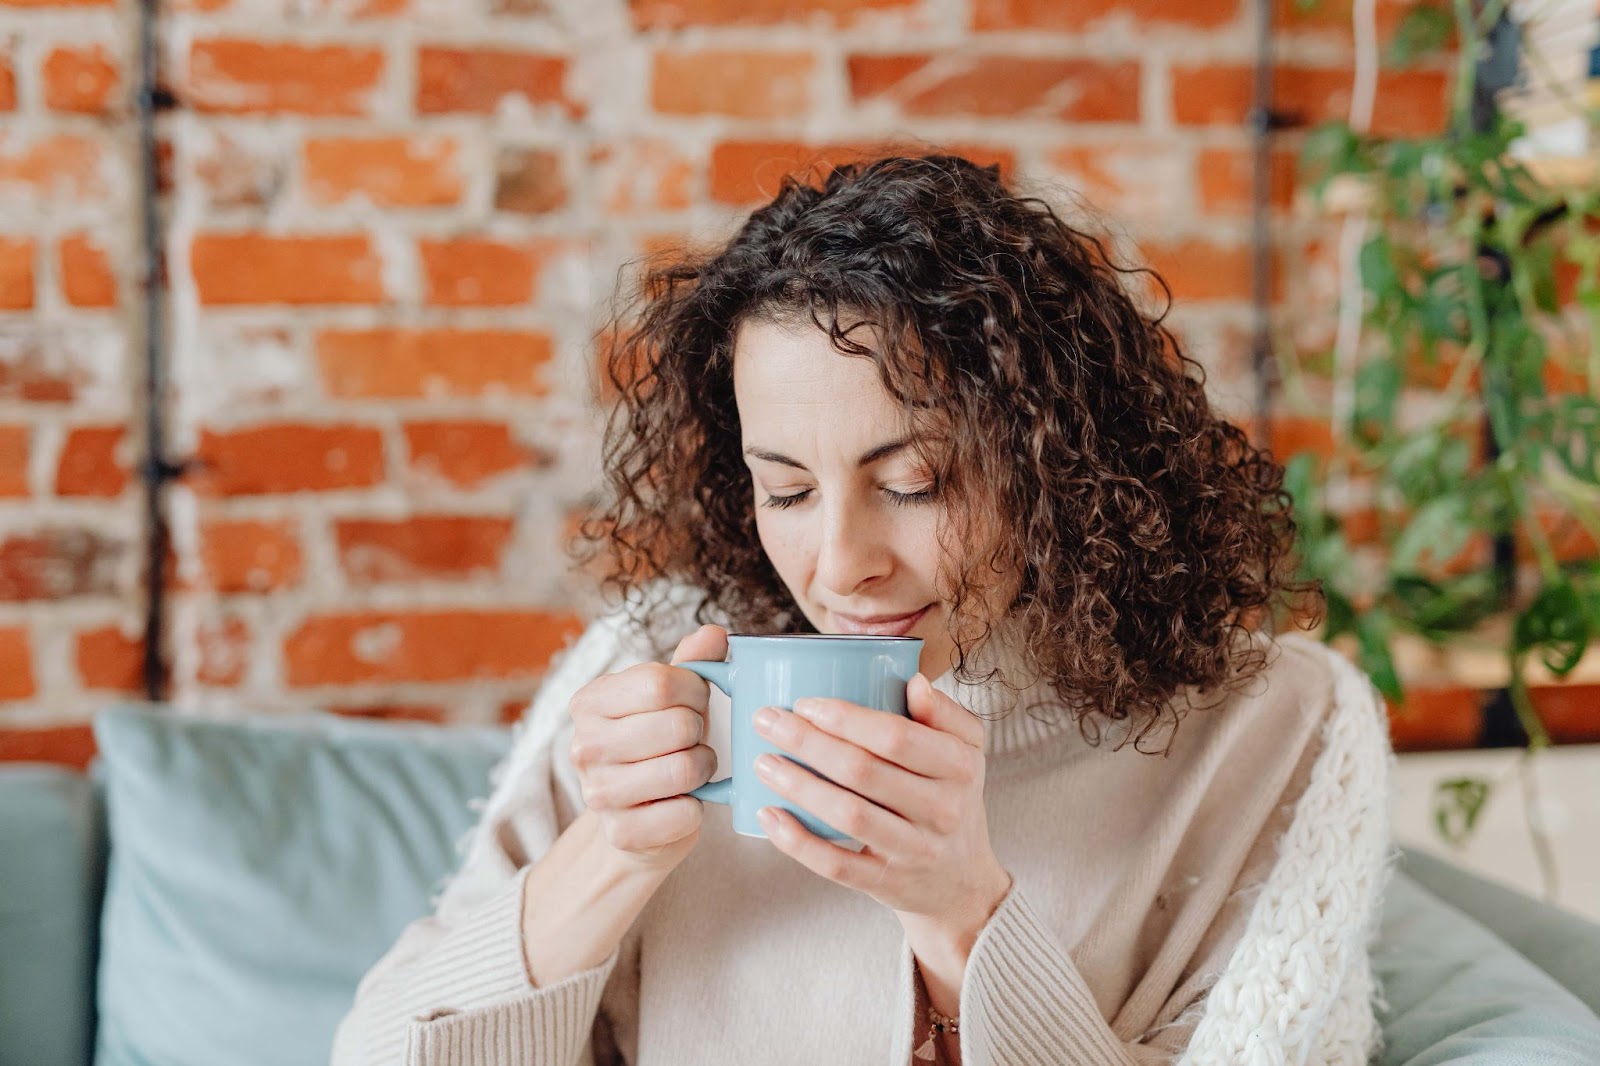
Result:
1298,987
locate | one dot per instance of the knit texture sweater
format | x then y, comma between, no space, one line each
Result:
1213,904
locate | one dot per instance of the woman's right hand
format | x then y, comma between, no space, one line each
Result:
639,746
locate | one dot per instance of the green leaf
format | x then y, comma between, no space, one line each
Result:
1457,804
1378,385
1423,31
1440,528
1440,609
1372,634
1557,625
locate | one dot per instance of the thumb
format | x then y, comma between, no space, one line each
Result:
709,642
932,708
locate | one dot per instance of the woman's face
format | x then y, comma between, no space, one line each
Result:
845,511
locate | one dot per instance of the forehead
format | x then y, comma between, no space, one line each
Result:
795,365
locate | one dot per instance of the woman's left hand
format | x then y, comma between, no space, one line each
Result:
909,789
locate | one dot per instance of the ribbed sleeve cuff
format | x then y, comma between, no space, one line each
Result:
488,1012
1023,1001
545,1027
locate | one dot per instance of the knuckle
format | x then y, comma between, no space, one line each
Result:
859,768
581,752
683,770
853,821
655,685
832,867
686,729
897,745
945,818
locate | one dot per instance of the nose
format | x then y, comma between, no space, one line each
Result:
854,549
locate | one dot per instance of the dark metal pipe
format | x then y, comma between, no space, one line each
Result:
1262,121
154,471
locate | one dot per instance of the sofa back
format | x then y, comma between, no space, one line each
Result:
52,858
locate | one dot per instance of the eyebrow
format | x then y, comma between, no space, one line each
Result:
882,451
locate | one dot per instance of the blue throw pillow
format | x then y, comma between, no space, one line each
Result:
259,867
1458,994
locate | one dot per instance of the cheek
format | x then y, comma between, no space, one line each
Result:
783,538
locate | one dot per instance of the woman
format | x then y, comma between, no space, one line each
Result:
1121,825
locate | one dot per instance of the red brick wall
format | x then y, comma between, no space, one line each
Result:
392,225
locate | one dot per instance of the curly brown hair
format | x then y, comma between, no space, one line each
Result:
1149,534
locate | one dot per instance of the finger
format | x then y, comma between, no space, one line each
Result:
854,816
935,710
891,737
854,767
653,825
645,735
610,788
822,857
639,688
709,642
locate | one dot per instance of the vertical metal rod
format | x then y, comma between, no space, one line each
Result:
1261,127
155,470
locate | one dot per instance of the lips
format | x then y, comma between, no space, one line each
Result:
880,625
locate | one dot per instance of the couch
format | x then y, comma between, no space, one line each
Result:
211,891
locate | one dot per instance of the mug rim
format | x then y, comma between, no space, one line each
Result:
815,636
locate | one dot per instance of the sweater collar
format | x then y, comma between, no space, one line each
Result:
1020,709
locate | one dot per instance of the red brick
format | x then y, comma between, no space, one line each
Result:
16,443
1296,434
477,79
395,712
237,173
1434,719
85,269
16,273
259,268
59,167
643,174
465,454
16,671
56,3
748,172
736,83
529,181
57,564
63,745
966,83
478,272
109,660
415,364
29,373
1567,538
8,84
421,548
1570,713
1201,270
1409,102
224,646
1133,179
511,711
92,464
248,555
289,458
358,648
387,171
1075,15
674,14
245,77
1227,178
82,80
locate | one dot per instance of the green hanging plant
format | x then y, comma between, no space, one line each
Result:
1477,272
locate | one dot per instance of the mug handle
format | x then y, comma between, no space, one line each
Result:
717,674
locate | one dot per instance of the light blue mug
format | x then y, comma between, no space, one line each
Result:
774,671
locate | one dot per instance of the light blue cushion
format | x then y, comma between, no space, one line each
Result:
1458,994
1563,945
259,867
49,892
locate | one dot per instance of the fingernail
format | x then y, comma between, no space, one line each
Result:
766,717
806,707
768,820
